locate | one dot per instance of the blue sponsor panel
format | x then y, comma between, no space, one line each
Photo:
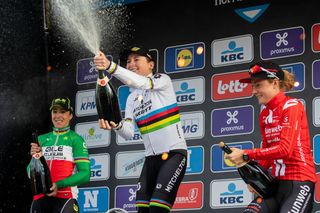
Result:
125,197
195,160
94,199
219,163
123,93
282,43
298,70
184,58
316,74
316,149
251,14
232,121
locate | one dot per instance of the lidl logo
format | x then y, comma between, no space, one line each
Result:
226,86
85,103
219,163
315,33
189,90
94,199
195,160
125,197
316,149
282,43
232,193
316,74
316,111
298,70
189,196
232,121
251,14
184,58
233,50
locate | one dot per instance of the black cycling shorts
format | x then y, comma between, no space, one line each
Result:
292,196
54,205
160,179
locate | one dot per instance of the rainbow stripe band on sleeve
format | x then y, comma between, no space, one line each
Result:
112,68
159,119
81,160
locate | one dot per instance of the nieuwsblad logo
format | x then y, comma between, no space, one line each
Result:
189,196
100,166
315,34
282,43
316,111
226,86
316,149
232,121
129,164
229,193
184,57
94,199
85,103
86,72
195,160
189,90
193,124
251,14
93,134
219,163
316,74
233,50
298,70
125,197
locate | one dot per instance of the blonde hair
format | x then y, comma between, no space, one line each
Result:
288,82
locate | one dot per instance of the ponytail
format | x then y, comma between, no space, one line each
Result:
288,82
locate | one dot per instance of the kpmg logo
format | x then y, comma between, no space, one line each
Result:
219,163
234,50
184,58
125,197
189,90
282,43
93,134
123,93
189,196
232,193
316,111
85,103
195,160
136,139
232,121
298,70
100,166
316,149
315,34
193,124
226,86
251,14
94,199
316,74
129,164
86,72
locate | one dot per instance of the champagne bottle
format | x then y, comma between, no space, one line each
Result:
39,172
107,100
253,174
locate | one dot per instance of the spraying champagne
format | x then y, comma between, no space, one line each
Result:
39,172
260,180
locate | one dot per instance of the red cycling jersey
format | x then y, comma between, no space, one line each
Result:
285,140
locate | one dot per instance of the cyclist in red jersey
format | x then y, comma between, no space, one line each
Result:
285,142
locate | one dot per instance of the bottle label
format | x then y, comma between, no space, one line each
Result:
37,155
103,82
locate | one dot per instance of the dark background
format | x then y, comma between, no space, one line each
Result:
26,87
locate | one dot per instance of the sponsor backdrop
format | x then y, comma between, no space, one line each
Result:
205,47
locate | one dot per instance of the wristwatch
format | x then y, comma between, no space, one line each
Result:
245,157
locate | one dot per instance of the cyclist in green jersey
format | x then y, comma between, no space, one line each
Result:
67,156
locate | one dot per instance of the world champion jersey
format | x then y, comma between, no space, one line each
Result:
285,140
153,107
65,153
